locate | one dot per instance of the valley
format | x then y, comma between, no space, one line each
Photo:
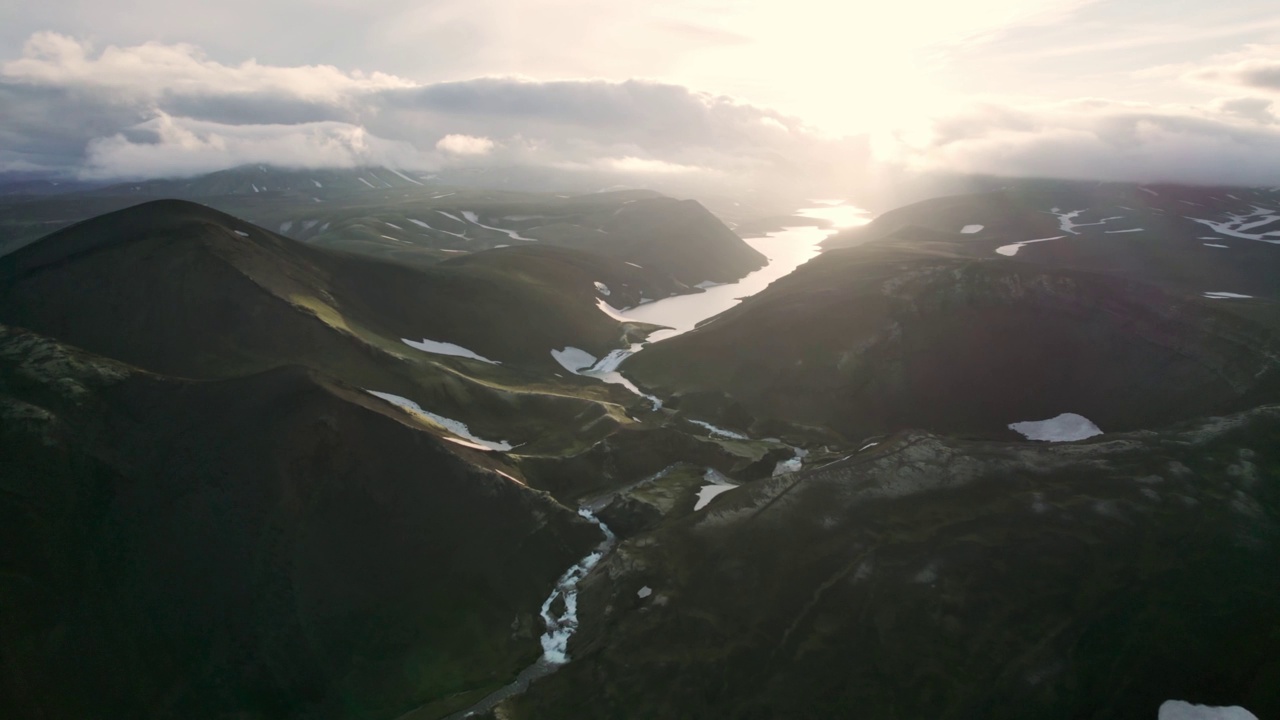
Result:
362,444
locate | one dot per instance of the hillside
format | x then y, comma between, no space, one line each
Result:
416,220
277,543
917,328
933,577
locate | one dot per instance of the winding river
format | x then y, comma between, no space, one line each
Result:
785,250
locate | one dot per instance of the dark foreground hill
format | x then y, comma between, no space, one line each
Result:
273,545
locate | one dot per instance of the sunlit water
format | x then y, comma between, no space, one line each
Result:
786,250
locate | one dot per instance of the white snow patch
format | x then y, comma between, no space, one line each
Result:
868,446
445,348
384,222
366,182
1180,710
475,219
1066,427
1215,245
255,188
602,288
1236,227
1113,232
454,426
971,229
644,592
611,311
454,218
1148,190
241,233
437,197
1227,296
284,226
574,359
406,177
307,225
709,492
635,265
719,431
1011,250
317,182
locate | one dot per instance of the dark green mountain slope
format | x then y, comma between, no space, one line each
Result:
184,290
278,545
895,335
934,578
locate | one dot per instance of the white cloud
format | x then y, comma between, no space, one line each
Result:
1256,67
155,69
168,146
465,145
1094,139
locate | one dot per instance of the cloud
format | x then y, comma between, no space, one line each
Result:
465,145
174,146
155,109
1096,139
1256,67
157,70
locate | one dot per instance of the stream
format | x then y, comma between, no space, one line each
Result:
560,616
785,250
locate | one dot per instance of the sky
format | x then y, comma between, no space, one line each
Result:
837,94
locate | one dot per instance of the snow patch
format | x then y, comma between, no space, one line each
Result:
574,359
611,311
317,182
1114,232
1011,250
719,431
366,182
1066,427
971,229
475,220
1227,296
644,592
709,493
602,289
1215,245
1180,710
454,426
445,348
406,177
635,265
241,233
284,226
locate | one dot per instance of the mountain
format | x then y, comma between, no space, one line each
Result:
414,219
919,328
273,544
347,462
934,577
1192,239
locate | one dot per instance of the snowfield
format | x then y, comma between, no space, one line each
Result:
1066,427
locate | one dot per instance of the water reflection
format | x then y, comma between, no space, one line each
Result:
786,250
